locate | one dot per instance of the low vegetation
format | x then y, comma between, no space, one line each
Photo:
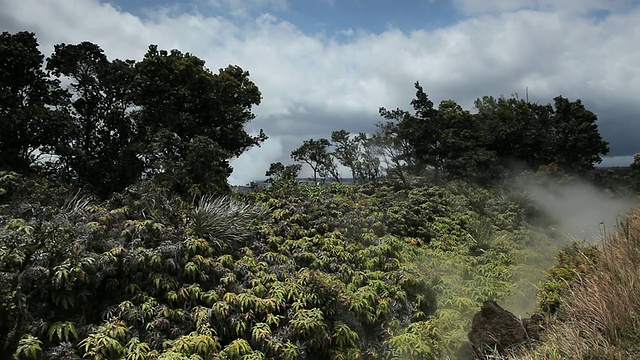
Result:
292,271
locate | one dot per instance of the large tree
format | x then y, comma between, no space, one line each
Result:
31,115
187,111
517,131
103,151
577,143
443,141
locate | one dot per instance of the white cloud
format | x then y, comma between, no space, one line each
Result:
313,84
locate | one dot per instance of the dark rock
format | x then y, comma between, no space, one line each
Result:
496,329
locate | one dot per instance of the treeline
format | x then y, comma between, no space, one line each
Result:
449,142
106,124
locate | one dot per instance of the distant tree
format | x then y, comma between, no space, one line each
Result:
392,150
368,165
103,150
634,172
315,153
345,149
280,172
32,116
358,153
187,111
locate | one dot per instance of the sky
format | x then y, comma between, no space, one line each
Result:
325,65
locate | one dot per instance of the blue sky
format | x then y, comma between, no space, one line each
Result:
326,65
330,17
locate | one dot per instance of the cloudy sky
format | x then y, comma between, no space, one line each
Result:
325,65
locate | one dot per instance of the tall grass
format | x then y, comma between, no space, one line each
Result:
225,221
600,312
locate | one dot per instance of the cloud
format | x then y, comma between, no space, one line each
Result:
244,8
475,7
314,83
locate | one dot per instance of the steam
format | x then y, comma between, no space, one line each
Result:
578,210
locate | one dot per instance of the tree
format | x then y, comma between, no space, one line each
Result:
358,153
103,150
517,131
461,150
180,101
31,114
577,144
419,134
368,163
280,172
634,172
391,149
533,135
345,150
315,154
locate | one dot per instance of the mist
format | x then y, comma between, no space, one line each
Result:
578,210
573,210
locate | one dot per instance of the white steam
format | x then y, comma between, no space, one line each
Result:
579,210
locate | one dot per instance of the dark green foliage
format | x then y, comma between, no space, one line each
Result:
577,143
418,135
102,148
31,115
192,120
506,135
283,174
532,135
166,117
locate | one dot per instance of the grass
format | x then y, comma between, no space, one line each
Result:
599,315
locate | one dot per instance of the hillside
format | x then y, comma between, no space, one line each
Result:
377,271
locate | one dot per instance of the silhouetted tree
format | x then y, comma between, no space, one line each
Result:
103,150
187,111
32,115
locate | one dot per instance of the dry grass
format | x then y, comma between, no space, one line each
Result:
601,314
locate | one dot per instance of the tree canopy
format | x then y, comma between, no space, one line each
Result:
32,115
115,122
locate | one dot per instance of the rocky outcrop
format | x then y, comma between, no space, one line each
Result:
496,329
